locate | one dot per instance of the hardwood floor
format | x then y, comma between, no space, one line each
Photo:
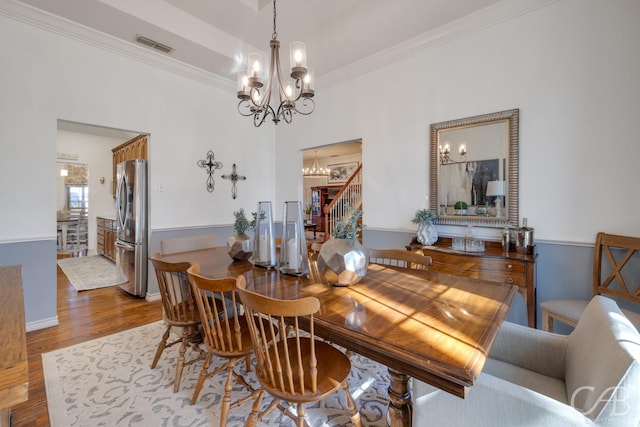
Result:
82,316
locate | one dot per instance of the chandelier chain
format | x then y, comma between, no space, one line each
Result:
274,36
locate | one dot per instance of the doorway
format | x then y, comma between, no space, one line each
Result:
89,146
320,190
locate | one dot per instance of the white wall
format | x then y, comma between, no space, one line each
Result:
47,77
570,68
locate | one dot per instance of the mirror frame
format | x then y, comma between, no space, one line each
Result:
512,173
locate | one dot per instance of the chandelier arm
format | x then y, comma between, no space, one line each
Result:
247,105
305,103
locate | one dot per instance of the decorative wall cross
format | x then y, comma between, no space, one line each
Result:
234,178
210,166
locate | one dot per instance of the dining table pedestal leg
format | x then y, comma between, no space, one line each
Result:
399,411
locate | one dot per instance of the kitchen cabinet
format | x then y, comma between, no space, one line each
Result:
106,230
494,264
135,148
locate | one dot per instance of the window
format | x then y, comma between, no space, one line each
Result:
78,196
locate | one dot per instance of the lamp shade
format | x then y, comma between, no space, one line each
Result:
495,188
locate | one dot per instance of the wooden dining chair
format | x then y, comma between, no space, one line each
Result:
399,258
180,311
78,229
226,335
608,280
294,368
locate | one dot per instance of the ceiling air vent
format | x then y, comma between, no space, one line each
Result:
154,44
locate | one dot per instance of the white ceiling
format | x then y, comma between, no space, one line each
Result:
342,37
216,35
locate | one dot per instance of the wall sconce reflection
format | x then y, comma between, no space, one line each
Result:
445,154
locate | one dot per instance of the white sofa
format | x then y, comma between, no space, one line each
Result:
535,378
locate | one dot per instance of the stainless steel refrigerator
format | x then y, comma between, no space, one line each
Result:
131,225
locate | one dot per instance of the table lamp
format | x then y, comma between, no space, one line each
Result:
496,188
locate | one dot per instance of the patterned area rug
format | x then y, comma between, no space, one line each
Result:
91,272
109,382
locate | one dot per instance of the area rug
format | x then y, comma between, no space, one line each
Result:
91,272
109,382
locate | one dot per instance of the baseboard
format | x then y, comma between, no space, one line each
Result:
42,324
152,297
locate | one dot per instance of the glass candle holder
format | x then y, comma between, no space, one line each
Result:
293,252
264,246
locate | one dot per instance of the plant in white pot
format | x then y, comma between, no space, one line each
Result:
307,212
239,246
427,233
342,260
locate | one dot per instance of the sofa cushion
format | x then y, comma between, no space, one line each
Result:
602,364
549,386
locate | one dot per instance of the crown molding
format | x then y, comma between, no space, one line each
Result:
72,30
478,21
472,23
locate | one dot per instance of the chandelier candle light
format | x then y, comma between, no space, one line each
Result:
316,171
293,97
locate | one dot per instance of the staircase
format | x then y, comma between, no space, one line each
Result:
346,201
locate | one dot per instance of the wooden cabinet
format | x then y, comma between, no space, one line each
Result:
494,264
106,229
135,148
321,197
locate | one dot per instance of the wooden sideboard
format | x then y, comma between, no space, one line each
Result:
106,230
493,264
14,374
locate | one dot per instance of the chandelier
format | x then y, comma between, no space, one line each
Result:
316,171
293,96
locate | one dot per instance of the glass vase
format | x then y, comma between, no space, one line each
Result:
264,246
342,262
293,251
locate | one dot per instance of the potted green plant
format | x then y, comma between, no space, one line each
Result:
239,246
342,260
427,233
307,212
460,207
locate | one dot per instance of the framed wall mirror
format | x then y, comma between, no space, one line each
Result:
474,170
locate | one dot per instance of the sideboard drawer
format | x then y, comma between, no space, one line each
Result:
493,265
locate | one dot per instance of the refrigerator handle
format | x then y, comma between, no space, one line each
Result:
125,245
121,201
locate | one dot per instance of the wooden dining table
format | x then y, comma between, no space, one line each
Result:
434,327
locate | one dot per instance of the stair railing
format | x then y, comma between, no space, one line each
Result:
348,199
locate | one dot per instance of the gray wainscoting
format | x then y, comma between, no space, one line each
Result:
38,260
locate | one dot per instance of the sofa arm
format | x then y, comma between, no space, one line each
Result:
491,402
532,349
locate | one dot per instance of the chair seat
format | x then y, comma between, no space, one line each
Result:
572,310
569,309
333,368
